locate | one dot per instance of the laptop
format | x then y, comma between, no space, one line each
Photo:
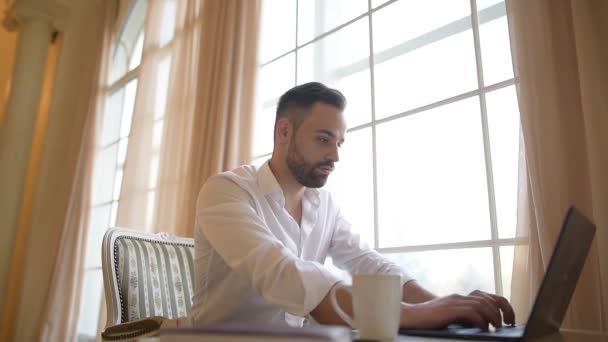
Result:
555,291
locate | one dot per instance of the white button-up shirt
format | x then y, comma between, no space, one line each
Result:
254,263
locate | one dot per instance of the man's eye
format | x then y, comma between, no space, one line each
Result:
323,139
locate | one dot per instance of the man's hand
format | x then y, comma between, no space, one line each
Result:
477,309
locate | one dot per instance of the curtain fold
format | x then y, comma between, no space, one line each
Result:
16,254
217,135
61,309
193,112
198,122
559,56
52,229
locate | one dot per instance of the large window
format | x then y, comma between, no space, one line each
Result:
428,172
110,155
113,139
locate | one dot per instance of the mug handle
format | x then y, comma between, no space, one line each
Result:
332,296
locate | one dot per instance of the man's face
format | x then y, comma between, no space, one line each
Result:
313,148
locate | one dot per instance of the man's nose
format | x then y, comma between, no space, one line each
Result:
334,154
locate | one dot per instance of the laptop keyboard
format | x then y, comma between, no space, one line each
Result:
508,330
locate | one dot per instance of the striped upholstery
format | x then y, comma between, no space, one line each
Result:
152,275
154,278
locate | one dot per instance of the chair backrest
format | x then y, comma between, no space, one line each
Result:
146,275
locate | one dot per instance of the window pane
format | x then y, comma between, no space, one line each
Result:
503,124
127,50
122,151
167,27
278,28
103,174
376,3
90,305
263,142
162,83
275,79
483,4
341,60
114,214
445,272
127,109
118,114
117,184
260,161
422,54
351,184
495,46
404,21
119,62
110,129
137,50
506,265
432,185
316,17
98,224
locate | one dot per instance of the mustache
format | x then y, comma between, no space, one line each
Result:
328,164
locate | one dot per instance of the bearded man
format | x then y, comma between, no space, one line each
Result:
263,233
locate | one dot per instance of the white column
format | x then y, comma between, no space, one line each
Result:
17,128
70,107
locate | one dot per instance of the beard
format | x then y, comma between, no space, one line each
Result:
303,171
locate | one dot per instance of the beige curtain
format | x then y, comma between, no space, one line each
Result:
560,55
46,266
16,256
204,125
61,308
193,109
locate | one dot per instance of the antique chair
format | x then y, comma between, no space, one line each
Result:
148,278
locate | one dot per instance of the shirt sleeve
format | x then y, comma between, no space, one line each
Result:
227,218
351,253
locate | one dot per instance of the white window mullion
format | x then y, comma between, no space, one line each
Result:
373,124
121,82
495,244
295,49
487,149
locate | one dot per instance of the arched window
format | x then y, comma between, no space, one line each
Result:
111,149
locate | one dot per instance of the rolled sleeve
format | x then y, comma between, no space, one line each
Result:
227,218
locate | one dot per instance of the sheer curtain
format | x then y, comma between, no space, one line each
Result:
61,308
193,109
46,269
193,112
559,54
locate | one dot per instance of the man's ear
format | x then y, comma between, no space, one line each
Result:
284,129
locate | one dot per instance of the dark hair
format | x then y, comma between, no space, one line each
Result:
304,97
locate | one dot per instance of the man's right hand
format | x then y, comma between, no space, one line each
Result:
477,309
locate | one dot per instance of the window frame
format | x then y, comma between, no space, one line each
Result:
477,18
120,84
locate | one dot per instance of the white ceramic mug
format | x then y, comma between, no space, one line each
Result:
376,305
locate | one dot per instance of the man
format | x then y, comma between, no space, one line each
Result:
262,234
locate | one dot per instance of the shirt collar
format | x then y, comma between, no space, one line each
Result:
269,186
267,181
